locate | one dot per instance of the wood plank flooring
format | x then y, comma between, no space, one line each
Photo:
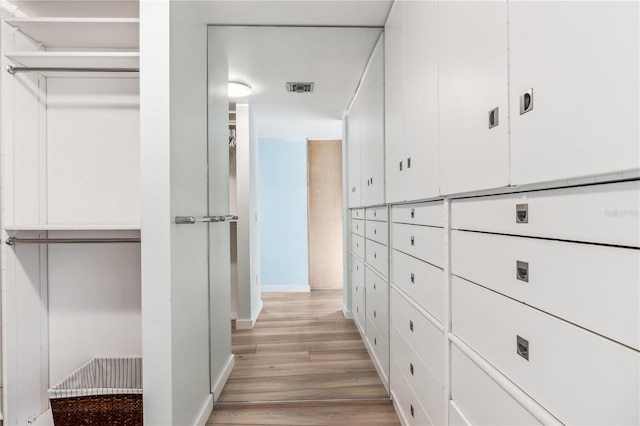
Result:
302,349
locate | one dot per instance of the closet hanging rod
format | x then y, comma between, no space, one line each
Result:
12,70
13,240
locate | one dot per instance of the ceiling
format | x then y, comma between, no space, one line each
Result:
269,57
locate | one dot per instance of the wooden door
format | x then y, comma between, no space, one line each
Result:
324,177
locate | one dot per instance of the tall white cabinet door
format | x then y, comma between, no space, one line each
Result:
394,104
353,158
372,129
472,83
580,59
420,28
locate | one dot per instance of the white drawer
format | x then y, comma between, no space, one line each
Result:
590,285
423,336
377,213
377,231
380,347
423,282
357,269
358,307
456,418
378,257
419,377
357,213
357,245
407,404
377,291
480,400
357,226
430,213
378,303
605,214
580,377
423,242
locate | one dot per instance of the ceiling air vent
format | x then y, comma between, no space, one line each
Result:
299,87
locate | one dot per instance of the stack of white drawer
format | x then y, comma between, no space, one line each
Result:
357,269
546,288
417,312
377,288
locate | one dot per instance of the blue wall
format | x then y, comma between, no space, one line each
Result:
283,212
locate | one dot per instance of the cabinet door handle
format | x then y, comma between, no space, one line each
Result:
375,255
411,325
374,286
526,101
401,166
493,118
522,347
375,340
413,278
411,368
522,213
374,314
412,412
375,231
409,163
413,241
522,271
413,213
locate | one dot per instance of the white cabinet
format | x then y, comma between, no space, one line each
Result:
580,59
411,88
365,135
353,159
473,109
393,102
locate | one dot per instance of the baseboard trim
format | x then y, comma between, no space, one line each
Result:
219,383
247,324
347,313
205,412
286,289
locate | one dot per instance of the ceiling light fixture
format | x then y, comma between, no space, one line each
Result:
238,89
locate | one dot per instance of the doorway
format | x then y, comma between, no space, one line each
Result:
324,182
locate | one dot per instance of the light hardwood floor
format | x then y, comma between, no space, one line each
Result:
302,348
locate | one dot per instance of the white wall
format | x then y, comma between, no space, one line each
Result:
305,129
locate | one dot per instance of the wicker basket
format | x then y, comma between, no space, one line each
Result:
103,392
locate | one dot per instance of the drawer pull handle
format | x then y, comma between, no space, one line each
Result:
526,101
412,413
522,347
493,118
357,309
401,166
522,213
374,314
413,213
413,241
411,368
409,163
374,286
375,340
375,255
375,213
413,278
411,325
375,231
522,271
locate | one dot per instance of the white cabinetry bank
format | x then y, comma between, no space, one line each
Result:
512,183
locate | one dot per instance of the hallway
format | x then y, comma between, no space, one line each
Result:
300,358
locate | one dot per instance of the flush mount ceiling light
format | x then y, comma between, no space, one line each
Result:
238,89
